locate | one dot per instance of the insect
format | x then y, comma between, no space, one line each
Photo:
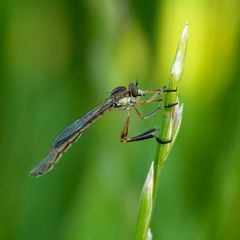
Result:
121,98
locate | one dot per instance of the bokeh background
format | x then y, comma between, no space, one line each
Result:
58,59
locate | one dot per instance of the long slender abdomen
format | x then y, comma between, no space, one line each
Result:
67,138
53,157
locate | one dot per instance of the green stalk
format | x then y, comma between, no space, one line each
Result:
171,122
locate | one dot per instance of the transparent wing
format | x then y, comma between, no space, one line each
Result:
83,123
78,126
69,135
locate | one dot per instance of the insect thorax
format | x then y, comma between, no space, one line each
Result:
125,102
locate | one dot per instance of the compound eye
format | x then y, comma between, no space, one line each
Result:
133,89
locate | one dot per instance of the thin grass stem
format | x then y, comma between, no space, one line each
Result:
170,126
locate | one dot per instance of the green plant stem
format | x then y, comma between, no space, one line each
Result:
171,122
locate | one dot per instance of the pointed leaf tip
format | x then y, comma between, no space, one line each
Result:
148,185
178,64
184,35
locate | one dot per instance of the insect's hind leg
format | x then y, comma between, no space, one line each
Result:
144,136
124,133
147,134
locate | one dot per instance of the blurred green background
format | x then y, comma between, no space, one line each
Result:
58,59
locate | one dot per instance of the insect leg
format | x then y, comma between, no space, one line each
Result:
139,114
154,96
151,99
155,90
124,133
146,135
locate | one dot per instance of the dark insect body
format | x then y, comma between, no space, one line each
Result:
121,98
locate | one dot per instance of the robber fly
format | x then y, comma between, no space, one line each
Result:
121,98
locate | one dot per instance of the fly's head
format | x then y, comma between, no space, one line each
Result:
134,91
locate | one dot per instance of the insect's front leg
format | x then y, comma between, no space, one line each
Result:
160,90
152,99
139,114
156,92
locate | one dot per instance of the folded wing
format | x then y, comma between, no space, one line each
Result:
68,136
